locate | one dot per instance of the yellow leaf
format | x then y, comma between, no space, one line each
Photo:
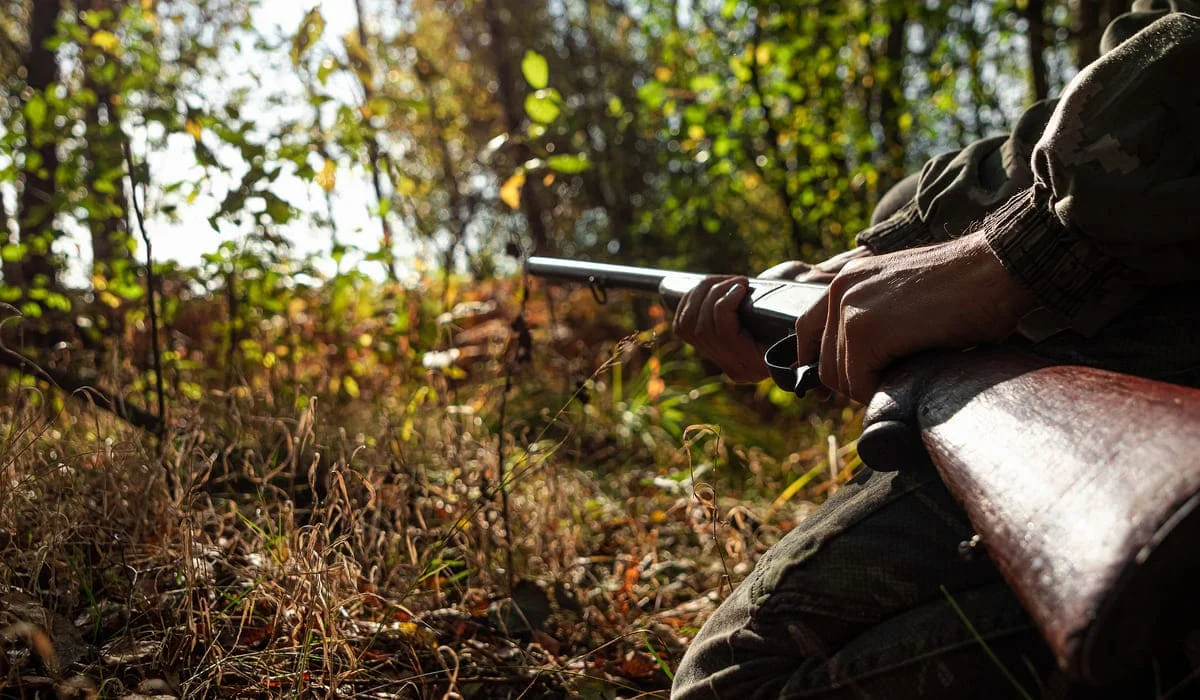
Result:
663,73
350,386
327,178
193,128
109,299
763,55
548,180
696,132
106,40
510,193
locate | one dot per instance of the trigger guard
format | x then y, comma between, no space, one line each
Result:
781,359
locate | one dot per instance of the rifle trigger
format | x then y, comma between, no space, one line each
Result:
599,291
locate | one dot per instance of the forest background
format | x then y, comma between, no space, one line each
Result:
281,416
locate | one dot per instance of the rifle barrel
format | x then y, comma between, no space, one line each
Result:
645,279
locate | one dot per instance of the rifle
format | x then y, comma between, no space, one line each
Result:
1082,484
769,311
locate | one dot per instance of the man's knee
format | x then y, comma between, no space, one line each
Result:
884,544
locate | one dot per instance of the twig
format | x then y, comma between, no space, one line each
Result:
151,284
503,477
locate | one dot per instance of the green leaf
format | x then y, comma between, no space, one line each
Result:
542,106
360,60
35,110
328,65
308,34
128,290
58,302
652,93
535,69
12,252
569,163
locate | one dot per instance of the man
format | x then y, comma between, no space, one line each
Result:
1075,233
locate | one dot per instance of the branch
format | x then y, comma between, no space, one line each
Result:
156,354
84,391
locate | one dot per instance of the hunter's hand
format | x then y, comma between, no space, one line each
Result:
881,308
707,316
821,273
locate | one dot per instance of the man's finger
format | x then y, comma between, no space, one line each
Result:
809,327
744,357
789,270
829,370
707,321
688,314
725,307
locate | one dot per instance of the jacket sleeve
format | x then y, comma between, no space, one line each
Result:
955,191
1114,208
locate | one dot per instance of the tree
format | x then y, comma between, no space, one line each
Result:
39,197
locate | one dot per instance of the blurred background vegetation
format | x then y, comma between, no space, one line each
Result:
279,240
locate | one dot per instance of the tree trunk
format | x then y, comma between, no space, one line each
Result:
36,207
109,221
4,234
891,99
1087,31
1035,15
1091,17
513,108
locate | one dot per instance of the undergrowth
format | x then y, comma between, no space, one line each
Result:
355,507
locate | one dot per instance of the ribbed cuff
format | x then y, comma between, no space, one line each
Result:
1070,275
901,230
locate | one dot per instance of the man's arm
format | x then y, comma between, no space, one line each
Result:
884,307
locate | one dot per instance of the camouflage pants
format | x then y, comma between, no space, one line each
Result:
867,599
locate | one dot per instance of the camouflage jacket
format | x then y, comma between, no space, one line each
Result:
1093,201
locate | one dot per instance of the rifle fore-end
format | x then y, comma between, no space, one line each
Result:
769,312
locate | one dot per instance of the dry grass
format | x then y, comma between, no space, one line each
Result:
359,546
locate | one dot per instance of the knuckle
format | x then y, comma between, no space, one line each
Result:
856,267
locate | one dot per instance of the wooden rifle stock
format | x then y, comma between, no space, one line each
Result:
1082,484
